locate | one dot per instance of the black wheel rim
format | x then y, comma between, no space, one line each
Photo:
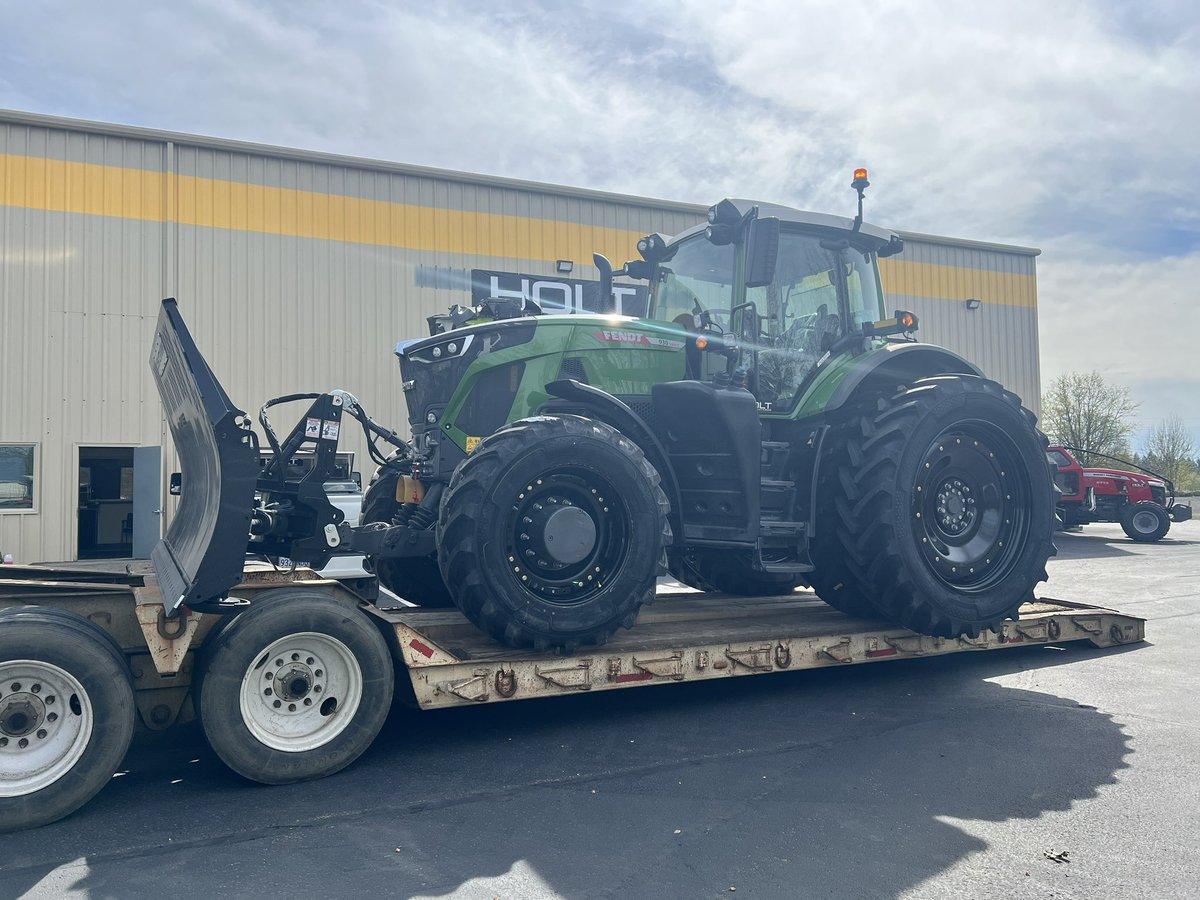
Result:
567,535
971,506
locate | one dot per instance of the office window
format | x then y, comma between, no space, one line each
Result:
17,471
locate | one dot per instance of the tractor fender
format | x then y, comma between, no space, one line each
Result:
890,365
897,364
608,409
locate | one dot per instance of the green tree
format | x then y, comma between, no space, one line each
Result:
1169,450
1081,409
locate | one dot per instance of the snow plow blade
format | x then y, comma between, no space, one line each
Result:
202,555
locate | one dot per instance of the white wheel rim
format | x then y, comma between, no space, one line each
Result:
1145,522
301,692
46,722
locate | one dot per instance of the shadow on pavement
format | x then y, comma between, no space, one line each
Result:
1081,545
829,782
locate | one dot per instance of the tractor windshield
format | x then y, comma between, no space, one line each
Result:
698,276
818,295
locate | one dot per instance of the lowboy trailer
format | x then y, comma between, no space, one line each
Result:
292,675
157,664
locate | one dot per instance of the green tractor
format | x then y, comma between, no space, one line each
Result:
766,425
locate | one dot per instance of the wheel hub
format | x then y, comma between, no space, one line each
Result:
562,532
296,682
21,714
956,506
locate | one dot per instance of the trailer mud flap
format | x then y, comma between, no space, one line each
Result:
203,553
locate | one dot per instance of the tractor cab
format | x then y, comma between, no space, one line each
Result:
783,286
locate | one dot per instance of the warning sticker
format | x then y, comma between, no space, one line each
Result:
312,428
329,430
472,443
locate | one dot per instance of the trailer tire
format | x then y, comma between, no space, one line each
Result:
294,688
413,578
505,576
75,696
1145,521
943,504
727,572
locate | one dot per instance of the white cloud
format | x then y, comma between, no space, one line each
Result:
1071,126
1137,323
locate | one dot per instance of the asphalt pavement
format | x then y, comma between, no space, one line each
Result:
1065,771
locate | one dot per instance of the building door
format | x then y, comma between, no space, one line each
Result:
147,500
119,502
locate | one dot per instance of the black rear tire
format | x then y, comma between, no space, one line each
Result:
1145,521
73,707
412,578
727,572
831,577
553,478
294,645
943,505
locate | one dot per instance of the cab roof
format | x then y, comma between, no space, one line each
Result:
788,215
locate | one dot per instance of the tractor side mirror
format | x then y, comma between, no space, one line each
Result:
762,251
176,487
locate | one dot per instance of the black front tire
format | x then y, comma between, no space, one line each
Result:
412,578
294,688
65,689
942,505
498,519
1145,521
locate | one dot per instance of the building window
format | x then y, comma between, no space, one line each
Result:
17,472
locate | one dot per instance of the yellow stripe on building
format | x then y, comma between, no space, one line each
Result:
87,188
99,190
901,276
126,193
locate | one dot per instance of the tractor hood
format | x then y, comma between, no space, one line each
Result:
1118,475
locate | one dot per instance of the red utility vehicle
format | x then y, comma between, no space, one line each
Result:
1142,501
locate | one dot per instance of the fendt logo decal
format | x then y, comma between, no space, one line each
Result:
635,337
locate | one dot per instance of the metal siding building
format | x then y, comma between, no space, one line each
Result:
299,271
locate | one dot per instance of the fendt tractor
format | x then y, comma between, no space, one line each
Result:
764,426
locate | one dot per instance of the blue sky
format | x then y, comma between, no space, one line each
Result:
1069,126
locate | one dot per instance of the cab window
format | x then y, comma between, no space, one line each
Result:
697,277
799,312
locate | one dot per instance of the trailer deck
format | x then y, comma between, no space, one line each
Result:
688,636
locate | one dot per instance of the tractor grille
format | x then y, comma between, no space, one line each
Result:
641,405
491,400
572,369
